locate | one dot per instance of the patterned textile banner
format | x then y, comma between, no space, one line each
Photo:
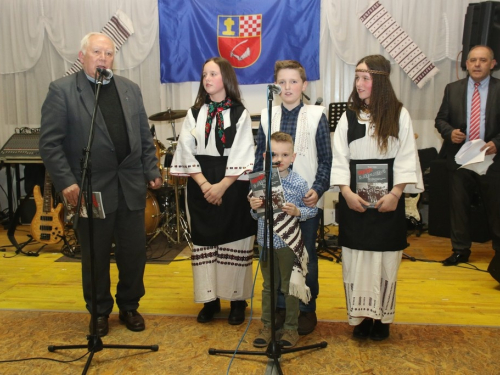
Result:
118,28
252,35
398,44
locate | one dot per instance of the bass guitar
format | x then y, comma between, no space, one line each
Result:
47,225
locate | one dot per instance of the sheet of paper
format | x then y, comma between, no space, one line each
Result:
471,157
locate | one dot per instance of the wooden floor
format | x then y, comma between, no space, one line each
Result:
447,320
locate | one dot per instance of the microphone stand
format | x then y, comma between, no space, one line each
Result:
274,348
94,341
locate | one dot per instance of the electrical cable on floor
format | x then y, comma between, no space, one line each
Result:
44,359
413,259
249,318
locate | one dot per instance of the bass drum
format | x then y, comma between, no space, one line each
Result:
151,213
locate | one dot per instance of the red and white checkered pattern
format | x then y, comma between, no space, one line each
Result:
250,25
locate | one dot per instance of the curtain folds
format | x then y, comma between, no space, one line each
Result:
39,40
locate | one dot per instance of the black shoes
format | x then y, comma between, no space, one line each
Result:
237,314
362,330
374,329
307,322
208,311
380,331
102,326
457,257
133,320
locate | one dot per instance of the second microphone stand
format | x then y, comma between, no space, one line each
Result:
274,349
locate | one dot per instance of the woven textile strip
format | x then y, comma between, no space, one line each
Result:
118,28
288,228
398,44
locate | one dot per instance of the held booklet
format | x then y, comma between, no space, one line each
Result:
97,208
258,185
372,182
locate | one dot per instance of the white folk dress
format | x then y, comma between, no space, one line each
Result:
370,274
223,236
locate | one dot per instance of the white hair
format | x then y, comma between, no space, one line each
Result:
85,41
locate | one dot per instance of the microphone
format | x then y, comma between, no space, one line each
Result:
153,131
319,101
274,88
106,73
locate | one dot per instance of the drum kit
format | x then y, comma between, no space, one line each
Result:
164,213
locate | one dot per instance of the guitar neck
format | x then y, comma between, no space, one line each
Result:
47,193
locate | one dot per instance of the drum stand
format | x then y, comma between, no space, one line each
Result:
170,230
162,229
180,221
180,225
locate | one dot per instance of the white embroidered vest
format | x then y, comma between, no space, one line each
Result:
306,162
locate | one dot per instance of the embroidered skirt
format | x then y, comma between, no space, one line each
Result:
370,284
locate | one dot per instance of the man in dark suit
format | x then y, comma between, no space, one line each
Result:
456,121
123,164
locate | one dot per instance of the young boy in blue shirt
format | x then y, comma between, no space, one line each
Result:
290,255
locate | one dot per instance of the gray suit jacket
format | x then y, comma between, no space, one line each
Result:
453,115
65,127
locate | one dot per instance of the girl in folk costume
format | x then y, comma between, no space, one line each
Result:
373,138
216,150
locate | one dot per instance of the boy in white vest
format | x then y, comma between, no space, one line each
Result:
308,126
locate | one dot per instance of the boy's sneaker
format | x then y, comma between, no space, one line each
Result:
289,338
264,338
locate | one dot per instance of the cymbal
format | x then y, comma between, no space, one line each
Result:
255,117
168,115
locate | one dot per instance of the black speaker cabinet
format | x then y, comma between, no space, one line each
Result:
481,26
439,207
494,267
28,210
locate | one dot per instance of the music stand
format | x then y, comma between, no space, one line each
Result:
323,246
335,111
274,349
94,341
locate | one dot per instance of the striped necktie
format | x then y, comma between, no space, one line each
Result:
475,114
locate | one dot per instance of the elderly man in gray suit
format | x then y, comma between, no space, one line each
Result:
470,110
123,165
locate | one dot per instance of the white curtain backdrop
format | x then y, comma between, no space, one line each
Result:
39,41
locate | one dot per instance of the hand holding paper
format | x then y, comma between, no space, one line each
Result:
471,157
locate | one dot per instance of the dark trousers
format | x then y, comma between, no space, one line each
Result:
463,184
126,229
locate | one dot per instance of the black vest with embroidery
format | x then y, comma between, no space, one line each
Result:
370,230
